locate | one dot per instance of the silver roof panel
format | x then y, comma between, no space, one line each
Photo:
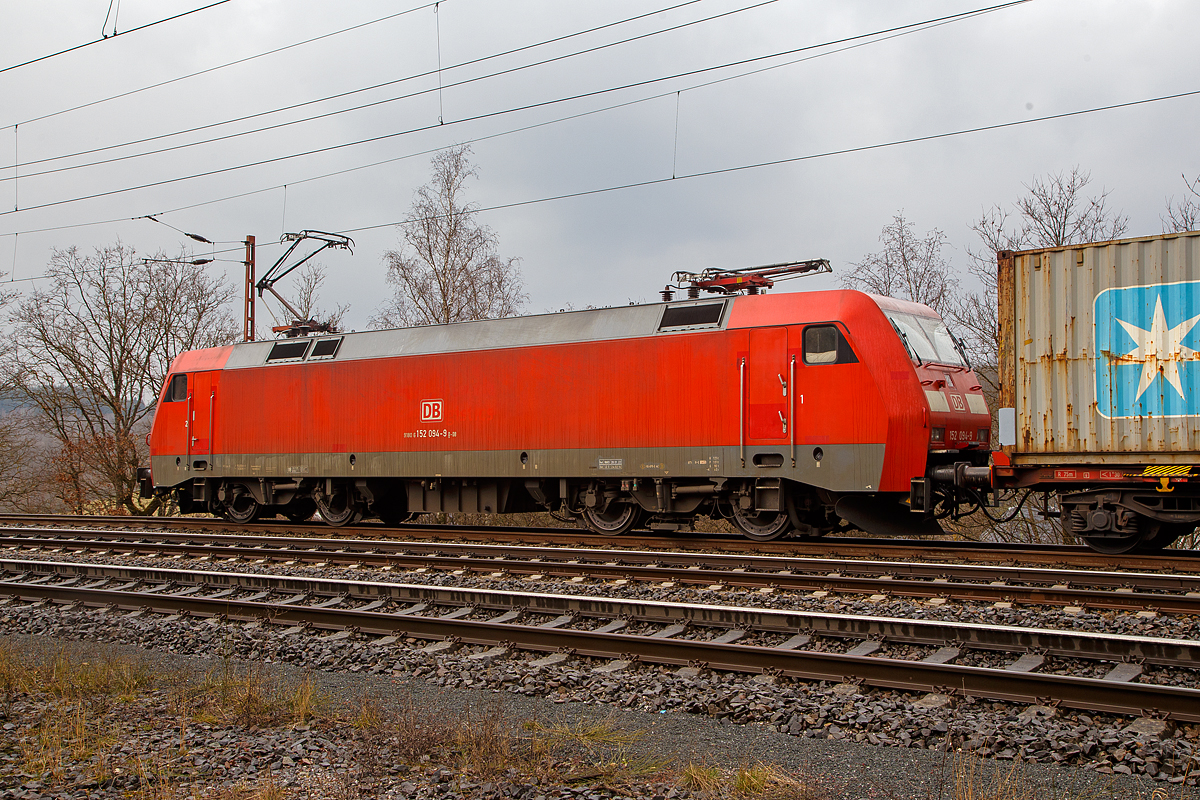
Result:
622,322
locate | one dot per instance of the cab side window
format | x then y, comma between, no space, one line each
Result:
825,344
177,389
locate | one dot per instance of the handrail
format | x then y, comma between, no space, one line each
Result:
792,403
742,409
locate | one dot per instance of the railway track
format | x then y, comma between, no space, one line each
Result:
832,647
834,546
1172,593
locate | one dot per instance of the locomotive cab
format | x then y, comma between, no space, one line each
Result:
959,422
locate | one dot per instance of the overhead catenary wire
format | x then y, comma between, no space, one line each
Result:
756,165
48,276
410,95
533,126
233,63
477,139
502,112
437,27
107,38
797,159
107,14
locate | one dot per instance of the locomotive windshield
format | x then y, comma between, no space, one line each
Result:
927,338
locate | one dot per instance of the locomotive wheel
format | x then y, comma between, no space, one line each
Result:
242,509
338,509
761,526
614,520
300,510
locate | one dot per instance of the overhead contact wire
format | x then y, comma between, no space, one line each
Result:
105,39
512,131
475,118
385,83
810,157
219,67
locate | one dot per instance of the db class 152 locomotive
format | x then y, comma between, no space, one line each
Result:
788,413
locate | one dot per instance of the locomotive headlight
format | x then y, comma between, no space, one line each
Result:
939,434
982,435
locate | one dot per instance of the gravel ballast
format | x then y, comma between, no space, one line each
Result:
858,743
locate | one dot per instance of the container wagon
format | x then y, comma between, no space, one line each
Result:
1100,386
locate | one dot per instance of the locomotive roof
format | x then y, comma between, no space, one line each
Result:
621,322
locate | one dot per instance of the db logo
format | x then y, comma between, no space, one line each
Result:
957,402
431,411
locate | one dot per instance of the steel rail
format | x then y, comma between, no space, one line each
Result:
1092,694
1028,585
1005,638
744,561
984,552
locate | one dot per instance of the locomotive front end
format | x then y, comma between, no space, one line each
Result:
958,421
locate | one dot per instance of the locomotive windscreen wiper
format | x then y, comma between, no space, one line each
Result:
961,348
912,352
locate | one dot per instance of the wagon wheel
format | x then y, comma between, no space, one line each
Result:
1073,516
1166,535
242,508
1112,545
338,509
761,526
614,520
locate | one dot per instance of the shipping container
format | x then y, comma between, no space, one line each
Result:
1100,374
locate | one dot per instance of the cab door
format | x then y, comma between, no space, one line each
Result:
767,401
200,417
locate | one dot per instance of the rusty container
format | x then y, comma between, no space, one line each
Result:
1099,360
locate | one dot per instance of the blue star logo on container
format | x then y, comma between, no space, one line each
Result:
1147,343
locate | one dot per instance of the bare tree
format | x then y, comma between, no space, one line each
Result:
1054,212
447,268
306,297
909,267
93,350
1184,216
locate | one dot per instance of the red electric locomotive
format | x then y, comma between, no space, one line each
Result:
787,413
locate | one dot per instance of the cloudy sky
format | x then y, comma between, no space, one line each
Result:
710,86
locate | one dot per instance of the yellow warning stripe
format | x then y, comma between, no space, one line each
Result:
1173,472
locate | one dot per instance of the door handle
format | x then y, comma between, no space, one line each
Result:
782,383
783,422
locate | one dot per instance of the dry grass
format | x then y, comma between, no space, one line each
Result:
76,693
758,781
105,676
229,694
83,704
975,778
487,744
71,737
591,734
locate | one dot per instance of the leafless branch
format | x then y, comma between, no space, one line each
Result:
1184,215
306,297
94,348
447,269
908,267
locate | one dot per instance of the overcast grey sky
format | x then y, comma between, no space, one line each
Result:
1040,58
